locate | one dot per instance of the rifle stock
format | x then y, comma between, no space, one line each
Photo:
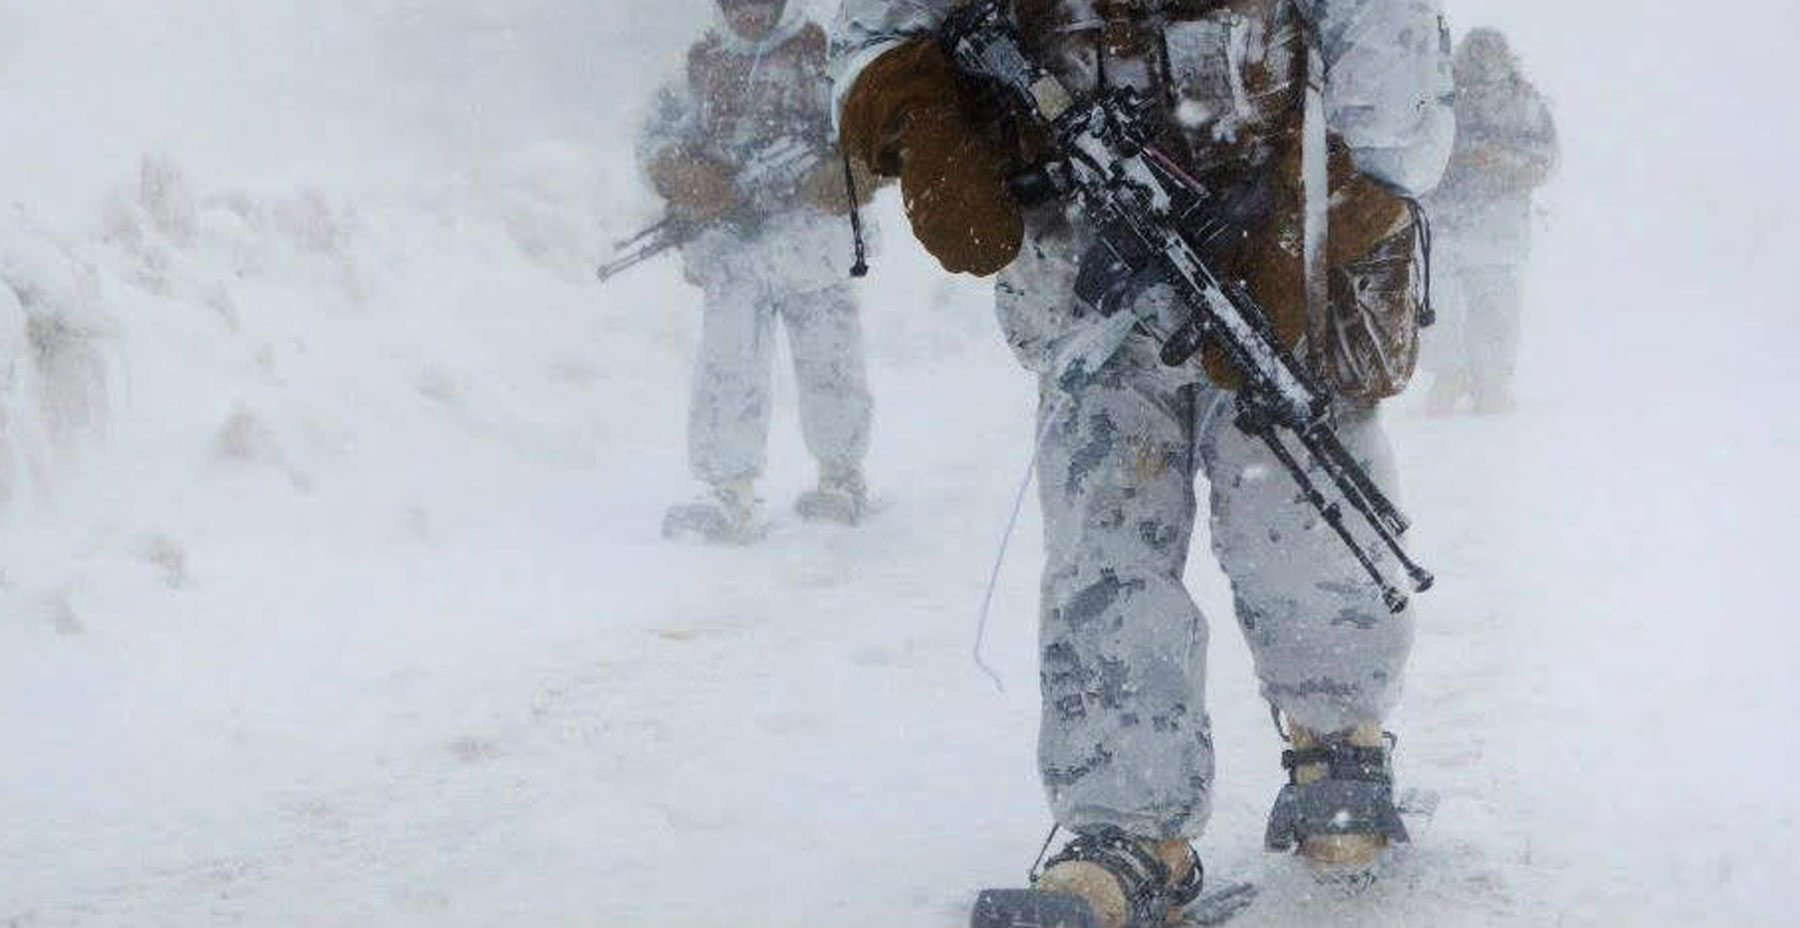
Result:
671,232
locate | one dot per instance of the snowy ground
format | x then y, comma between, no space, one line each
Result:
330,588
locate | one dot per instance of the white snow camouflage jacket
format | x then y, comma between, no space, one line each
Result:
737,97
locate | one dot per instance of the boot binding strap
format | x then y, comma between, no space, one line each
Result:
1142,876
1342,762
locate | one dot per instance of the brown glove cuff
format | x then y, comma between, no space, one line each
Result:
912,77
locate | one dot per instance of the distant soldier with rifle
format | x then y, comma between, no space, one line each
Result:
741,148
1200,213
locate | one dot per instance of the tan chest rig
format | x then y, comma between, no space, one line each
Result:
747,99
1233,77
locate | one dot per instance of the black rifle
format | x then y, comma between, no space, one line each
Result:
1136,197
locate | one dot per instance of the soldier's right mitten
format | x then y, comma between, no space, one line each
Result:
904,118
697,186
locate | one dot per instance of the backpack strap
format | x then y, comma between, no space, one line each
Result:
1315,177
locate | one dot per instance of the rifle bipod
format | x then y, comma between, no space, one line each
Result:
1325,450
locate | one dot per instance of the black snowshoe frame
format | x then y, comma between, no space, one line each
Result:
1355,797
1141,875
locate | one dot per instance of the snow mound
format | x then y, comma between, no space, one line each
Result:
58,356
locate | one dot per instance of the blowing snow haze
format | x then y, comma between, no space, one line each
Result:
286,91
331,588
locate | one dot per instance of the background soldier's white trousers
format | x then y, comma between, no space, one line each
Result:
1478,325
1125,739
728,419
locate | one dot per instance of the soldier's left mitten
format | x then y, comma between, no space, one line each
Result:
904,117
955,194
698,186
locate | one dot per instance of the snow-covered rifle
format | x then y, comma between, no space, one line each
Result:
672,231
765,183
1135,196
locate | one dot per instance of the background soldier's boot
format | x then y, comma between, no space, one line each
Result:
842,496
1494,397
1447,390
1107,879
1338,807
726,515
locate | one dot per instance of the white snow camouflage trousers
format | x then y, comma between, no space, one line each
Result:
1478,307
1125,739
790,272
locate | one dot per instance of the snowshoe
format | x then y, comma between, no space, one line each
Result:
841,498
1338,808
1019,908
1106,879
725,516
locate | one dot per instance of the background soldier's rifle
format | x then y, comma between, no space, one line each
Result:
765,183
1136,197
672,231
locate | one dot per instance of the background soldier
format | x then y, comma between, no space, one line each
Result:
741,147
1505,150
1125,748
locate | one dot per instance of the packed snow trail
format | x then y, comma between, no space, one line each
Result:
366,618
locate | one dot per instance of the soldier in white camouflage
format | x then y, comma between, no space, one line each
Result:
1505,150
741,146
1125,748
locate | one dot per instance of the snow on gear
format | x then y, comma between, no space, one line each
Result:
633,250
702,195
760,108
1364,339
1124,738
1235,76
1101,152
